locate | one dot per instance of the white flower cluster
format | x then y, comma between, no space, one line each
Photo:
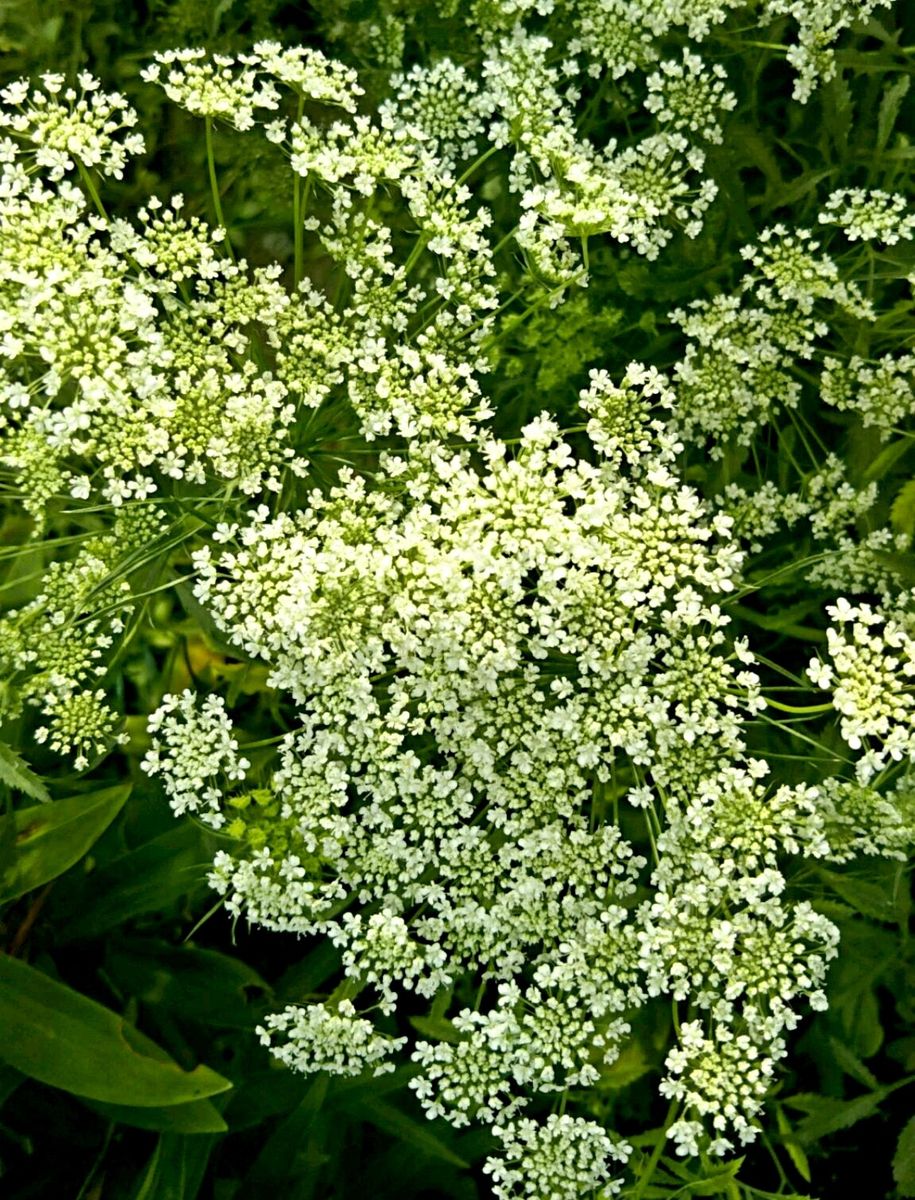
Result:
486,654
212,86
848,560
819,25
634,194
63,126
738,367
564,1158
54,651
325,1037
156,391
881,392
758,514
195,753
871,674
515,780
444,108
689,96
869,215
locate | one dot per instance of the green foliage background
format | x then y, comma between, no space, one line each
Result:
127,1002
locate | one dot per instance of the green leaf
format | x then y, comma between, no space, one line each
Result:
869,899
293,1149
837,109
53,1034
852,1065
890,105
176,1169
19,776
827,1115
194,1117
792,1147
151,878
904,1161
436,1028
38,844
405,1129
902,565
902,513
201,985
628,1066
886,459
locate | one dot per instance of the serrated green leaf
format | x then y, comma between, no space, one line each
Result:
904,1161
791,1144
902,513
890,106
18,775
38,844
717,1184
54,1034
826,1115
852,1065
869,899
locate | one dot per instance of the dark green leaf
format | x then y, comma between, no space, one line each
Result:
852,1065
890,105
436,1028
201,985
295,1146
790,1142
41,843
902,514
195,1117
175,1170
827,1115
886,459
151,878
406,1129
904,1161
869,899
19,776
55,1035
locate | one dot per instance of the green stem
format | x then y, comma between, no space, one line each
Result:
214,185
418,247
92,190
651,1165
475,165
806,710
298,215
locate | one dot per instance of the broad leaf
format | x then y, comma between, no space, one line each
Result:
38,844
55,1035
195,1117
150,878
200,985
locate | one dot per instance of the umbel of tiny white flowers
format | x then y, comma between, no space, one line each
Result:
445,800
